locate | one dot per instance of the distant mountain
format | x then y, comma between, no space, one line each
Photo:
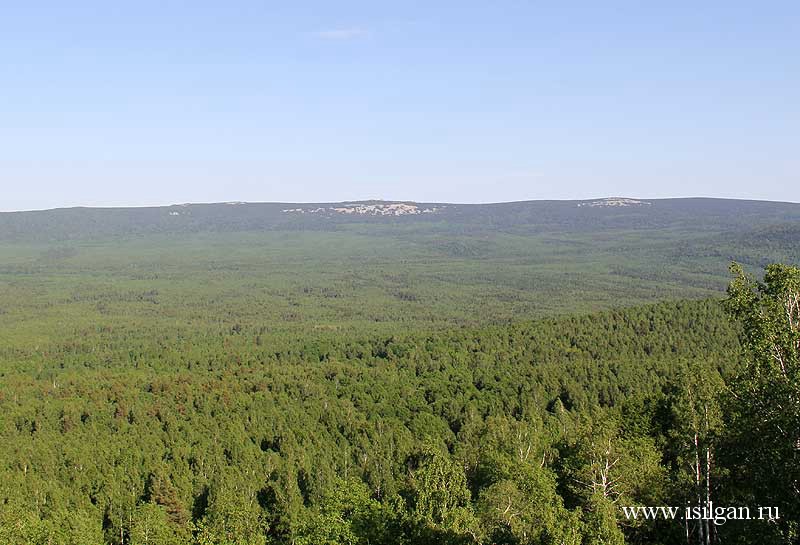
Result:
696,215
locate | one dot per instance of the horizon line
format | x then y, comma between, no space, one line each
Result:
408,201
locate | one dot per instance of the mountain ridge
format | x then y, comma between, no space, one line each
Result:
394,201
691,215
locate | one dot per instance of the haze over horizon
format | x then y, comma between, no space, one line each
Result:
153,103
357,200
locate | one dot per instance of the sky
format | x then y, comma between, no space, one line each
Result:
160,102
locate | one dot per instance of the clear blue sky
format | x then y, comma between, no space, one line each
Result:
154,102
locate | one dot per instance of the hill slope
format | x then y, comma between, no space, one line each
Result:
528,217
372,265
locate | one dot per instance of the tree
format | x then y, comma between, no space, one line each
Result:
441,498
151,525
518,500
233,515
697,422
606,469
600,522
347,515
764,400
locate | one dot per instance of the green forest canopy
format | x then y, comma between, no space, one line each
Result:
429,382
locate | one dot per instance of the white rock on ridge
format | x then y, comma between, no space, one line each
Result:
389,209
615,201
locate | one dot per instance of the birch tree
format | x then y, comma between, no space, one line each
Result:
765,398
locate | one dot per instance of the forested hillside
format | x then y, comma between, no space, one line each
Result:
529,217
700,215
407,438
397,373
63,272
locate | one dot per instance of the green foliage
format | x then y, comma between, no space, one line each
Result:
232,515
19,525
464,436
763,410
235,379
348,515
440,499
151,525
600,522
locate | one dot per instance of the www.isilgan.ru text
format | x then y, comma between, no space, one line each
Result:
717,514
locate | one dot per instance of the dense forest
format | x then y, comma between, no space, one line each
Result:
399,439
398,387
